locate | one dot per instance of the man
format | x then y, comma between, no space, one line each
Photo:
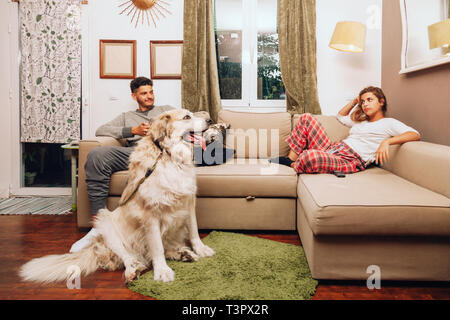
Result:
102,162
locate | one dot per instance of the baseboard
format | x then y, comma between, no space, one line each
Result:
4,192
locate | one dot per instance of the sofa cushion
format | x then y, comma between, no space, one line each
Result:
372,202
257,135
118,183
241,214
426,164
236,178
247,177
334,129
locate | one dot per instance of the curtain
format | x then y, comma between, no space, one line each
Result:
200,81
448,9
297,46
50,74
446,50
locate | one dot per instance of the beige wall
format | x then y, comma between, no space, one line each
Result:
420,99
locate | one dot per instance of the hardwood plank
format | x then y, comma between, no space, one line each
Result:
25,237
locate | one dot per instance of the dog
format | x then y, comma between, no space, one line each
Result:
156,217
216,132
214,152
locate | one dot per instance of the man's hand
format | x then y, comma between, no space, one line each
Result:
141,130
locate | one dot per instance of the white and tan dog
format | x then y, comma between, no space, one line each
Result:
156,219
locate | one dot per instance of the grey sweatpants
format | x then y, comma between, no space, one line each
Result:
101,163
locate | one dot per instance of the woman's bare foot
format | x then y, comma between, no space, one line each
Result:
292,155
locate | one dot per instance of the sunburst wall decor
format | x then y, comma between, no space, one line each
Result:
153,9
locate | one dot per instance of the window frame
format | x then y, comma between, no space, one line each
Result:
250,101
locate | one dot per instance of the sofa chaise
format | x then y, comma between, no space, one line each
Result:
396,217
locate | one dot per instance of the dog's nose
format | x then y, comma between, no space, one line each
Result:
209,122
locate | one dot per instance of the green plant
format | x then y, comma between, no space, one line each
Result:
30,159
269,67
230,80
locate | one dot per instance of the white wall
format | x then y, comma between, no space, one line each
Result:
341,75
109,97
8,99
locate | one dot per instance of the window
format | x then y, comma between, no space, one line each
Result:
247,53
45,165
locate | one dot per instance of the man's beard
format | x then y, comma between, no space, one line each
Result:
144,104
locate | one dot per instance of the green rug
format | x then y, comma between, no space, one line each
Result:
243,268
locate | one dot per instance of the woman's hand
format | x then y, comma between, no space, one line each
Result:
348,107
382,154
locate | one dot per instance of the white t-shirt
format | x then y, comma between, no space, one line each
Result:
365,137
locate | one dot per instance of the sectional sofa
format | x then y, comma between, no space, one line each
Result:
396,219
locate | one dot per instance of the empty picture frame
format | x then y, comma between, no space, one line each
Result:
165,59
118,59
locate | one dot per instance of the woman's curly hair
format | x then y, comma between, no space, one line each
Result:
358,115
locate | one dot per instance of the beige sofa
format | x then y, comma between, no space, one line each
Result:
396,218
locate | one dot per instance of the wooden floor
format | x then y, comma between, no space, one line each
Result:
25,237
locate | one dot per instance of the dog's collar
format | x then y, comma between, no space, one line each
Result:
156,142
141,181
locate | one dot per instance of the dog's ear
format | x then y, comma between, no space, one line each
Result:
224,125
158,128
202,114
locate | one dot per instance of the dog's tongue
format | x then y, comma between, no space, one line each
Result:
196,139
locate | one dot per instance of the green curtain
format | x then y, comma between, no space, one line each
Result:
297,46
200,81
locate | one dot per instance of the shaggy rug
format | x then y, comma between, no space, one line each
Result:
243,268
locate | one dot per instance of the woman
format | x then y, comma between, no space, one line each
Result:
370,136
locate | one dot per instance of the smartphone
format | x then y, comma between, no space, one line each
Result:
339,174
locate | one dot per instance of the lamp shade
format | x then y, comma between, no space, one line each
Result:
349,36
439,34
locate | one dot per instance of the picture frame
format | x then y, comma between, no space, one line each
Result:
165,59
117,59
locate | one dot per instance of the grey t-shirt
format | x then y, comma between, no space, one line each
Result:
120,127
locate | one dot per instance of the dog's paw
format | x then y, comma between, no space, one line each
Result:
130,275
203,250
133,271
164,274
188,256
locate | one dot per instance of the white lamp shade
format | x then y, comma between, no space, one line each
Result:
439,34
349,36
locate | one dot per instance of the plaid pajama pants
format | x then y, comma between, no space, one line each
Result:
316,152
